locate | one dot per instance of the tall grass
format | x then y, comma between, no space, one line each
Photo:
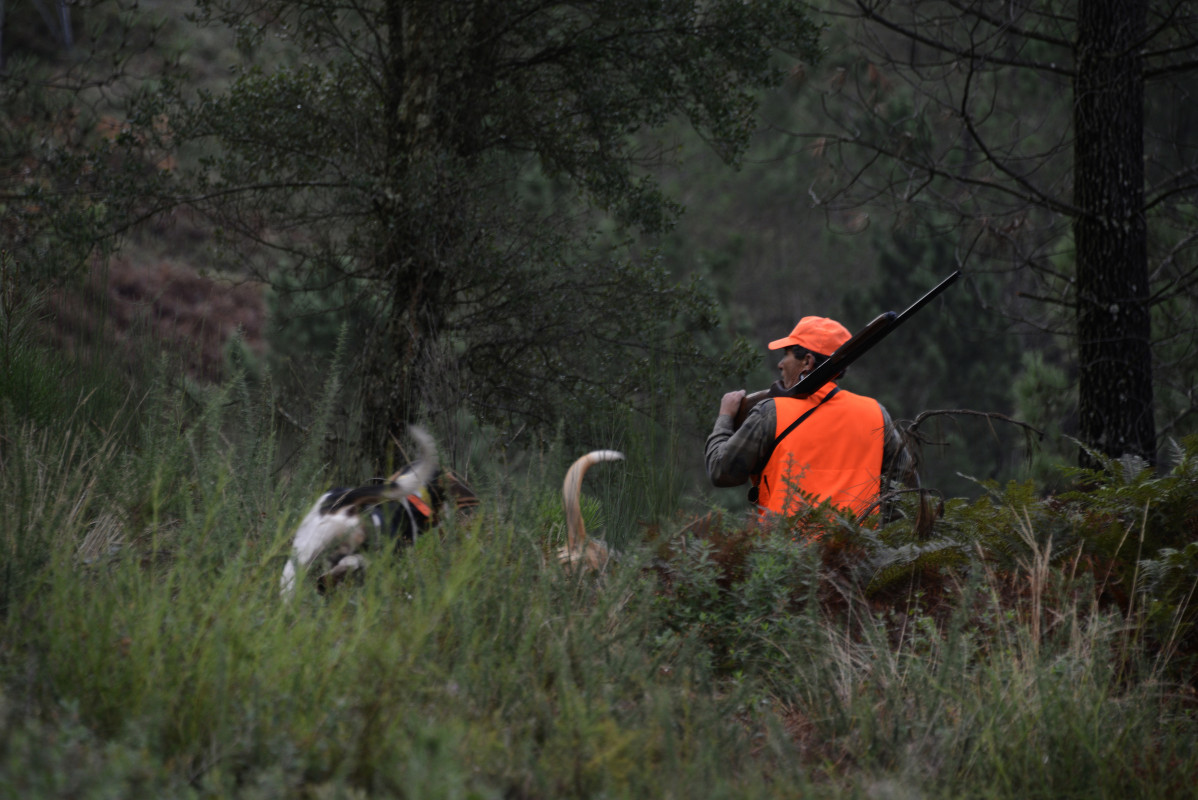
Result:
998,710
467,669
144,649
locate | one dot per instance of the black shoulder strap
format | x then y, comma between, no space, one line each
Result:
800,421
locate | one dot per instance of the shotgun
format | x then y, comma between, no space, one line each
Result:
846,354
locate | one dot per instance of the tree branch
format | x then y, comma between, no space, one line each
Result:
969,54
913,428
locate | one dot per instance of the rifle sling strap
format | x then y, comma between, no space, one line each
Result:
799,422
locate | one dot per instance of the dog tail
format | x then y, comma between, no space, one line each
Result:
577,547
412,478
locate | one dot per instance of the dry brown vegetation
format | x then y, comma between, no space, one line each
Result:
165,304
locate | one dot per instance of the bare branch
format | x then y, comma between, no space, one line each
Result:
913,428
970,54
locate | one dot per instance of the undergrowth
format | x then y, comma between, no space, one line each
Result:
1021,646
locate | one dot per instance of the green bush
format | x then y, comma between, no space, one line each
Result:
741,594
144,648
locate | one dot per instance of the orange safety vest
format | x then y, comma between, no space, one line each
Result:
836,455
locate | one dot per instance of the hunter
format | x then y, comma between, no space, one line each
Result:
832,446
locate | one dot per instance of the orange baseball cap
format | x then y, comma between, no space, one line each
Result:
817,334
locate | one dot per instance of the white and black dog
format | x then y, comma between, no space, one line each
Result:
344,521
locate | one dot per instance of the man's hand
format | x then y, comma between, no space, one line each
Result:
730,403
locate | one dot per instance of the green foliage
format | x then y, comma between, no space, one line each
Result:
741,595
1141,524
31,378
1169,581
168,661
76,173
408,181
1128,499
1046,399
38,382
306,327
949,706
62,757
144,647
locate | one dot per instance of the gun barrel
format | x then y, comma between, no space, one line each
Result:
846,354
927,298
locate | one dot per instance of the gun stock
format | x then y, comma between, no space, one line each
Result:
846,354
748,401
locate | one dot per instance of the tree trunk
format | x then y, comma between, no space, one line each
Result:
1110,233
407,258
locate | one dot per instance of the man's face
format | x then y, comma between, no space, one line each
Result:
792,366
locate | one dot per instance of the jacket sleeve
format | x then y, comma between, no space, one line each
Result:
898,462
732,456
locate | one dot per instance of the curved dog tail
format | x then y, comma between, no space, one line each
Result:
580,550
